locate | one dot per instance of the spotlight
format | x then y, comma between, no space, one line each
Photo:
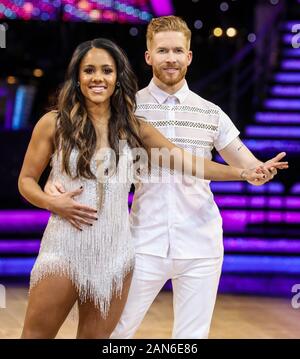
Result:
38,73
83,4
198,24
28,7
224,6
231,32
133,31
251,37
11,80
218,32
95,14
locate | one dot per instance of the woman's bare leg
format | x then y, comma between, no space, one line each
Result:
49,303
92,325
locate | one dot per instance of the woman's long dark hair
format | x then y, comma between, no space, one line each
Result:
75,129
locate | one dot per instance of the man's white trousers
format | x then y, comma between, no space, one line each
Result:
195,284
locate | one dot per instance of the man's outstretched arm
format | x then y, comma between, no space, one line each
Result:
237,154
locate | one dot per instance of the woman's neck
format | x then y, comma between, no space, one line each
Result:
99,114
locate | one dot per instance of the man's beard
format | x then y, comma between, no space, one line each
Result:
168,80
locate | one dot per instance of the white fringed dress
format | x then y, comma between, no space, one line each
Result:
98,258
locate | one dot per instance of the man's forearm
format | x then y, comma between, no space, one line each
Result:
237,154
255,163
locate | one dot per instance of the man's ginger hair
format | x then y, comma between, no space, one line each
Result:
167,23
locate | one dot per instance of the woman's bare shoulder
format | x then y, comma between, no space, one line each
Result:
47,122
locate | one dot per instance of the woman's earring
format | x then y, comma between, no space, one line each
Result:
118,84
78,84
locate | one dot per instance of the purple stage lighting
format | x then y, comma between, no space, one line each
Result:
257,201
242,245
282,104
240,187
288,38
274,117
232,264
288,25
35,221
290,65
295,189
261,245
258,245
271,285
281,90
23,220
273,146
24,246
134,11
108,11
30,9
261,264
238,220
287,77
162,7
271,131
294,52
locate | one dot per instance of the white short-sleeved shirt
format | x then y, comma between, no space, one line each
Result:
180,220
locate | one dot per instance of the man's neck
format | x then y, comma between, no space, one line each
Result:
167,88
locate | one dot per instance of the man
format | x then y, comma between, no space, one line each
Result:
177,227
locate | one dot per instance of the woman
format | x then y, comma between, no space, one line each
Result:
92,266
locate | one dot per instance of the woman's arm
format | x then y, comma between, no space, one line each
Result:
37,157
197,166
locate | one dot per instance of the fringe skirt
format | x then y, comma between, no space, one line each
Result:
96,260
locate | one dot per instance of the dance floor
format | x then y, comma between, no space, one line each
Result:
234,317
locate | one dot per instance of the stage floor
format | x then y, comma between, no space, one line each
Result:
234,317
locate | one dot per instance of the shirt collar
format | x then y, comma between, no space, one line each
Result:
161,96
